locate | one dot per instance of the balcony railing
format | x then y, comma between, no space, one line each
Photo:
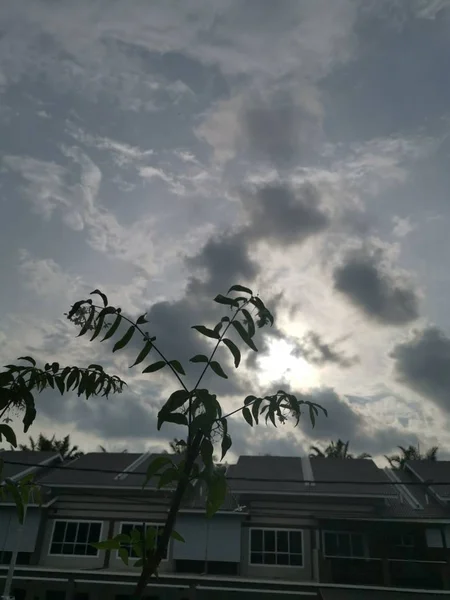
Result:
418,574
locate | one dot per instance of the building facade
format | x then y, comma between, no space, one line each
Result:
290,527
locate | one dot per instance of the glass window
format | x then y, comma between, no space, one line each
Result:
343,543
434,538
74,538
127,528
276,547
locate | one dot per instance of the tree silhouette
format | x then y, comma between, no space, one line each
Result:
45,444
398,461
337,449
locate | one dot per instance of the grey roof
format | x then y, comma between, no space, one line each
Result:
430,470
18,461
426,507
384,594
282,474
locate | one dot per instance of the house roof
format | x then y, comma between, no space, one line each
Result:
286,475
16,462
430,470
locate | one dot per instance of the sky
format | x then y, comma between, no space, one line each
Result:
163,152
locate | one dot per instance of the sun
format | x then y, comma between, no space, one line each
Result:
281,363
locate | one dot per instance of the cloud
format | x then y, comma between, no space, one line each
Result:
369,281
318,352
423,364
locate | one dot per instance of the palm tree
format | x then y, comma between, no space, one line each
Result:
45,444
398,461
337,449
103,449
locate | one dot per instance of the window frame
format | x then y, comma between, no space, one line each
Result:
95,521
286,529
349,533
158,525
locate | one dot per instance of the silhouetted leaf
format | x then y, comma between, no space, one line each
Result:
247,416
199,358
29,359
175,401
141,320
234,351
215,366
8,433
154,367
250,322
177,366
205,331
143,353
112,330
124,341
255,409
226,444
88,322
123,553
217,491
244,335
173,417
155,466
103,296
227,301
176,536
240,288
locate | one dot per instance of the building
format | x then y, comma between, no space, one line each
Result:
328,529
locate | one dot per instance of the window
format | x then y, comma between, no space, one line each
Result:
279,547
404,540
434,538
75,538
127,529
343,543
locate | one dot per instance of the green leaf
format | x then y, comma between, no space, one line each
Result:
154,367
205,331
112,330
250,323
174,417
177,366
124,341
20,508
240,288
107,545
234,351
88,322
244,335
226,444
247,416
103,296
139,563
207,450
143,353
215,366
155,466
255,409
30,409
228,301
60,384
167,477
199,358
29,359
141,320
8,433
123,553
176,536
175,401
217,491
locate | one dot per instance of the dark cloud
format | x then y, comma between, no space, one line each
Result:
277,130
380,293
423,364
317,352
286,215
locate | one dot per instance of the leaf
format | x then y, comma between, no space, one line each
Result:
60,384
138,563
176,536
124,341
12,489
8,433
72,379
103,296
101,320
312,415
177,418
250,323
155,466
217,491
55,367
175,401
29,359
234,351
228,301
255,409
30,410
207,450
154,367
142,354
123,553
88,322
177,366
141,320
249,400
244,335
205,331
167,477
112,330
199,358
226,444
215,366
107,545
240,288
247,416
